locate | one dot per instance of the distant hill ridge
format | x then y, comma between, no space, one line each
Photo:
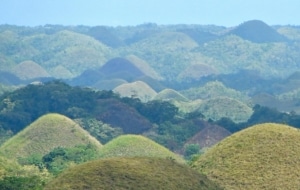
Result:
257,31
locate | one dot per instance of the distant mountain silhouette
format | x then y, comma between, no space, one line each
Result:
257,31
121,68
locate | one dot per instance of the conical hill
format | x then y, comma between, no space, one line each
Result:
264,156
136,145
131,173
44,134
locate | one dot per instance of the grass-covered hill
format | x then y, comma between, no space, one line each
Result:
257,31
136,145
264,156
131,173
137,89
144,67
214,89
29,70
46,133
121,68
170,94
217,108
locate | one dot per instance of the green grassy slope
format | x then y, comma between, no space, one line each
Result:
136,145
131,173
216,108
46,133
264,156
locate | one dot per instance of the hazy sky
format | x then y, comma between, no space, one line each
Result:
134,12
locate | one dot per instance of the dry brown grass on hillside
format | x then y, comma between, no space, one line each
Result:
264,156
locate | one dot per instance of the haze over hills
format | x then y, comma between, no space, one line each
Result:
185,87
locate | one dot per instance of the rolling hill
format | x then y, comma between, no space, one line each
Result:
121,68
216,108
137,89
170,94
144,67
131,173
264,156
258,32
136,145
29,70
44,134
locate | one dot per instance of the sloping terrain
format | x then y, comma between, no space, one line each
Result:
8,78
44,134
196,71
131,173
137,89
209,136
29,70
119,114
264,156
121,68
216,108
213,89
136,145
144,67
257,31
170,94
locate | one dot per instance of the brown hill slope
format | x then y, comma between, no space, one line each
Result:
29,70
44,134
264,156
131,173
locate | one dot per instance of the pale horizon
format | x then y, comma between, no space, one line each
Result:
134,12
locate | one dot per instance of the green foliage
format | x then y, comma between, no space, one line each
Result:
60,158
102,131
174,134
21,107
158,111
190,150
21,183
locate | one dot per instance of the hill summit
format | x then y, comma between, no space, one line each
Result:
44,134
264,156
258,32
136,145
131,173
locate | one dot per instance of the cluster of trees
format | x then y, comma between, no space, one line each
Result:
86,106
